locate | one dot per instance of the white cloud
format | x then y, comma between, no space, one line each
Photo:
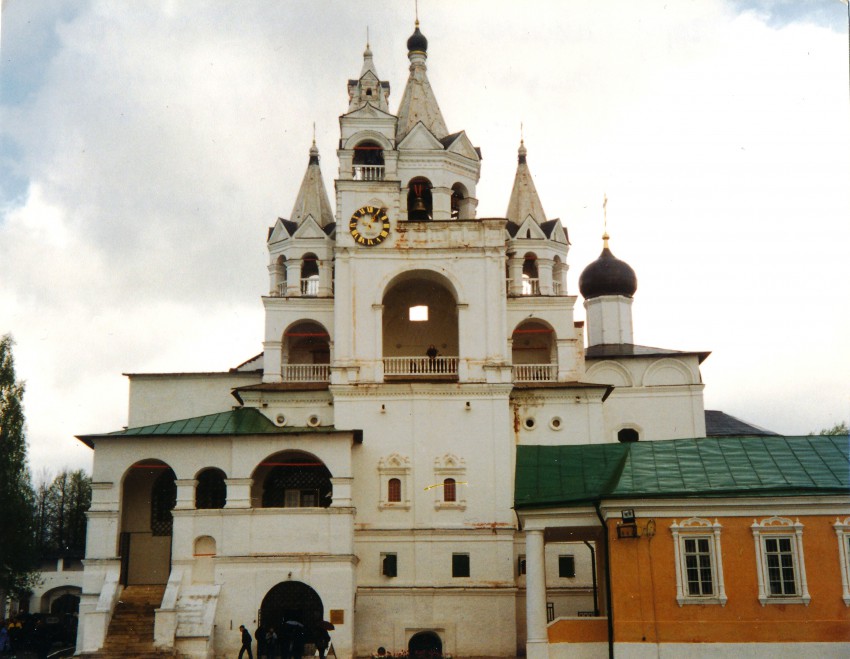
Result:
160,141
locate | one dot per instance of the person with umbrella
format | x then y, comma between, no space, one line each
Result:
293,632
322,638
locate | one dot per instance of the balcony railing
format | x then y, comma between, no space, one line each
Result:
367,172
306,372
529,286
535,372
309,287
556,287
420,366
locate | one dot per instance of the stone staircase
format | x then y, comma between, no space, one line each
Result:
130,631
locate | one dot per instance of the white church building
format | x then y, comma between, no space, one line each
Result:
360,470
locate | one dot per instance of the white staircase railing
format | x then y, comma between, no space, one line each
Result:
535,372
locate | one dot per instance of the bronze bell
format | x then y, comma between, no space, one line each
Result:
419,206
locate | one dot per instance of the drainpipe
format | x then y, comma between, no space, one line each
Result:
610,608
593,574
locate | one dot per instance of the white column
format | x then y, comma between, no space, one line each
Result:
537,639
441,203
185,494
325,279
293,278
544,274
515,267
238,492
272,361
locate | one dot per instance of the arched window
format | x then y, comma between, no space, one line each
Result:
296,480
420,206
394,490
449,490
309,275
211,491
628,435
530,277
368,162
459,193
163,500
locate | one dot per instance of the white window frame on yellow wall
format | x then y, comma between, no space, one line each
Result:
697,528
842,530
778,528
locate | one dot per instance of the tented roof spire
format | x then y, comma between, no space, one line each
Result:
418,102
312,199
524,199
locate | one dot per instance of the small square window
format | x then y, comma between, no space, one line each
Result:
566,567
419,313
460,565
389,565
520,565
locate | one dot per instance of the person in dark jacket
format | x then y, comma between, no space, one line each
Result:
246,642
260,635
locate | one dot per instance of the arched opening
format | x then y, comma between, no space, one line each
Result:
420,327
309,275
292,601
280,275
211,491
449,490
203,568
530,275
628,435
394,490
533,352
292,479
420,205
368,161
63,606
306,353
149,494
459,195
425,645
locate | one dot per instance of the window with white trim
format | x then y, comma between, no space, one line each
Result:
699,566
780,563
842,530
449,481
394,476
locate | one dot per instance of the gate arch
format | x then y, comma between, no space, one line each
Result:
291,600
425,645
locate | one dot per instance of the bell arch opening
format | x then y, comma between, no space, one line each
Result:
292,479
306,353
420,326
420,204
534,352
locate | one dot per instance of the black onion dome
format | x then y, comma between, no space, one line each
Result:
607,275
417,41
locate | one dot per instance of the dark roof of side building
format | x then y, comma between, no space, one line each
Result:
621,350
720,424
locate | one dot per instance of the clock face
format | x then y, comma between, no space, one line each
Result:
369,225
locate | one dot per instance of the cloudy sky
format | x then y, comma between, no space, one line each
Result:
145,148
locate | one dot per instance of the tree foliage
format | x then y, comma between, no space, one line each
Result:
18,558
837,429
61,506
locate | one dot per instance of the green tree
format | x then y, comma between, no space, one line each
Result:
18,558
837,429
61,506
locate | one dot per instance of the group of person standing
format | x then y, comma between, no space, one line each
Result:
287,642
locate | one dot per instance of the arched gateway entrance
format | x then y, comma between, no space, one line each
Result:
292,600
425,645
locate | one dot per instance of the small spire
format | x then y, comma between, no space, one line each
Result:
314,150
605,236
524,199
522,151
312,200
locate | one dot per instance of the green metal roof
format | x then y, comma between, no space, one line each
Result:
241,421
549,476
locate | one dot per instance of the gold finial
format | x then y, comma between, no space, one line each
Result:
314,133
521,135
605,236
416,9
367,36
